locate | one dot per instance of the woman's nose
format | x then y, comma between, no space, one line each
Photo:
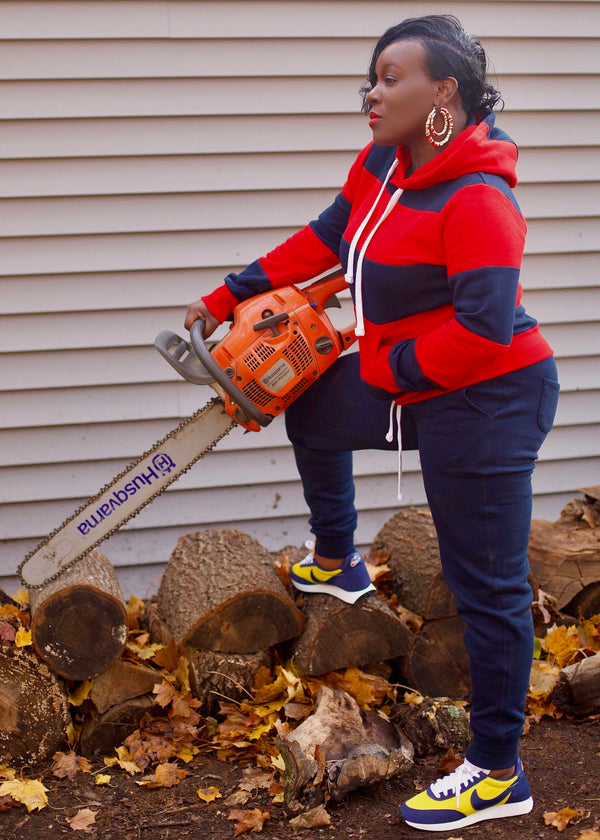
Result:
373,95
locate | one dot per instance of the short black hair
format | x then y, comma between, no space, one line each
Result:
450,51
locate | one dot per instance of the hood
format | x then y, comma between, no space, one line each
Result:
481,147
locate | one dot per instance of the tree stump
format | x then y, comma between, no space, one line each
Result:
340,635
79,620
338,748
410,542
577,691
564,556
33,707
221,592
434,724
224,676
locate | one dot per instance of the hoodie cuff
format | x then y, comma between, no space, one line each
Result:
220,303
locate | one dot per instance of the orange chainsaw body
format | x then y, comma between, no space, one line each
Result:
280,342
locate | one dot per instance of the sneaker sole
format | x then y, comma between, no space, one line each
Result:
514,809
335,591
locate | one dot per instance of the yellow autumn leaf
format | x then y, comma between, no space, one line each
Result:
124,761
186,754
6,772
561,644
23,637
80,693
588,834
21,596
135,611
209,794
30,793
144,651
103,779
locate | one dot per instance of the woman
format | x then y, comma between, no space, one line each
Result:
431,239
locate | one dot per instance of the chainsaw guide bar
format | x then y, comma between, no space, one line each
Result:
128,493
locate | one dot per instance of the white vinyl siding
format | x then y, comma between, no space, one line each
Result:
147,148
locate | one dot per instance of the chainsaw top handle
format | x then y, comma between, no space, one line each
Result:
221,378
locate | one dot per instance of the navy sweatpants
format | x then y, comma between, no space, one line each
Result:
477,447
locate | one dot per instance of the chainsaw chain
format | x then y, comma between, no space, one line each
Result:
115,480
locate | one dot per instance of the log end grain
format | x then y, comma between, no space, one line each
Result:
33,707
79,631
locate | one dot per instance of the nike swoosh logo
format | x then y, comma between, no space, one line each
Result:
326,575
479,804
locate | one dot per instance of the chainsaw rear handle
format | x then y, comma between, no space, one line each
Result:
220,377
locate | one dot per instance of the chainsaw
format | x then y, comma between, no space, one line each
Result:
279,343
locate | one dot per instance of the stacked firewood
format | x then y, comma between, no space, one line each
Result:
225,601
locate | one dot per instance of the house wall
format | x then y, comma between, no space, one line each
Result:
148,148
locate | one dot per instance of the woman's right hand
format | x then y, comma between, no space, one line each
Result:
196,310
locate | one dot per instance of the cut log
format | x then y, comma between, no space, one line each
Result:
224,676
79,620
101,734
577,691
409,541
120,682
434,724
33,707
340,635
586,603
564,556
437,664
337,749
221,592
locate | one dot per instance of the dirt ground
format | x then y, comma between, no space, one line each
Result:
561,757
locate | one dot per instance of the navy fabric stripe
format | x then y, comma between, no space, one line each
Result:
251,281
434,199
330,225
485,295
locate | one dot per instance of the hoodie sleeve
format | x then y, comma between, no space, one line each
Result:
304,255
483,235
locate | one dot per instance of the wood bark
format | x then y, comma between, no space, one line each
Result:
340,635
33,707
409,541
434,724
221,592
338,748
577,691
564,556
215,676
79,620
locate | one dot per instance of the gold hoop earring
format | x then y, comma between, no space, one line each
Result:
439,138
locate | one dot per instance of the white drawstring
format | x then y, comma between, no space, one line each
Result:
363,224
396,410
360,321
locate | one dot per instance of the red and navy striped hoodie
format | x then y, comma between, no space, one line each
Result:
433,261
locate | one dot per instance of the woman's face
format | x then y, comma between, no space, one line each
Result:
403,96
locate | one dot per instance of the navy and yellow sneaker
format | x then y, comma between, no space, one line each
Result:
350,583
466,796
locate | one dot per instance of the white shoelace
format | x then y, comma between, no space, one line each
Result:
455,781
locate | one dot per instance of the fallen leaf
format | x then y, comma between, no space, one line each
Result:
103,779
166,775
67,765
7,632
311,819
562,644
164,693
209,794
30,793
588,834
82,820
248,820
561,819
23,637
80,693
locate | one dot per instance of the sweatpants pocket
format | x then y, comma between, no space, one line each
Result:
548,404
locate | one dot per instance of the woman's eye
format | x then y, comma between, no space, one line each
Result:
389,80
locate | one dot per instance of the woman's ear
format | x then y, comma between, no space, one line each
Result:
446,90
